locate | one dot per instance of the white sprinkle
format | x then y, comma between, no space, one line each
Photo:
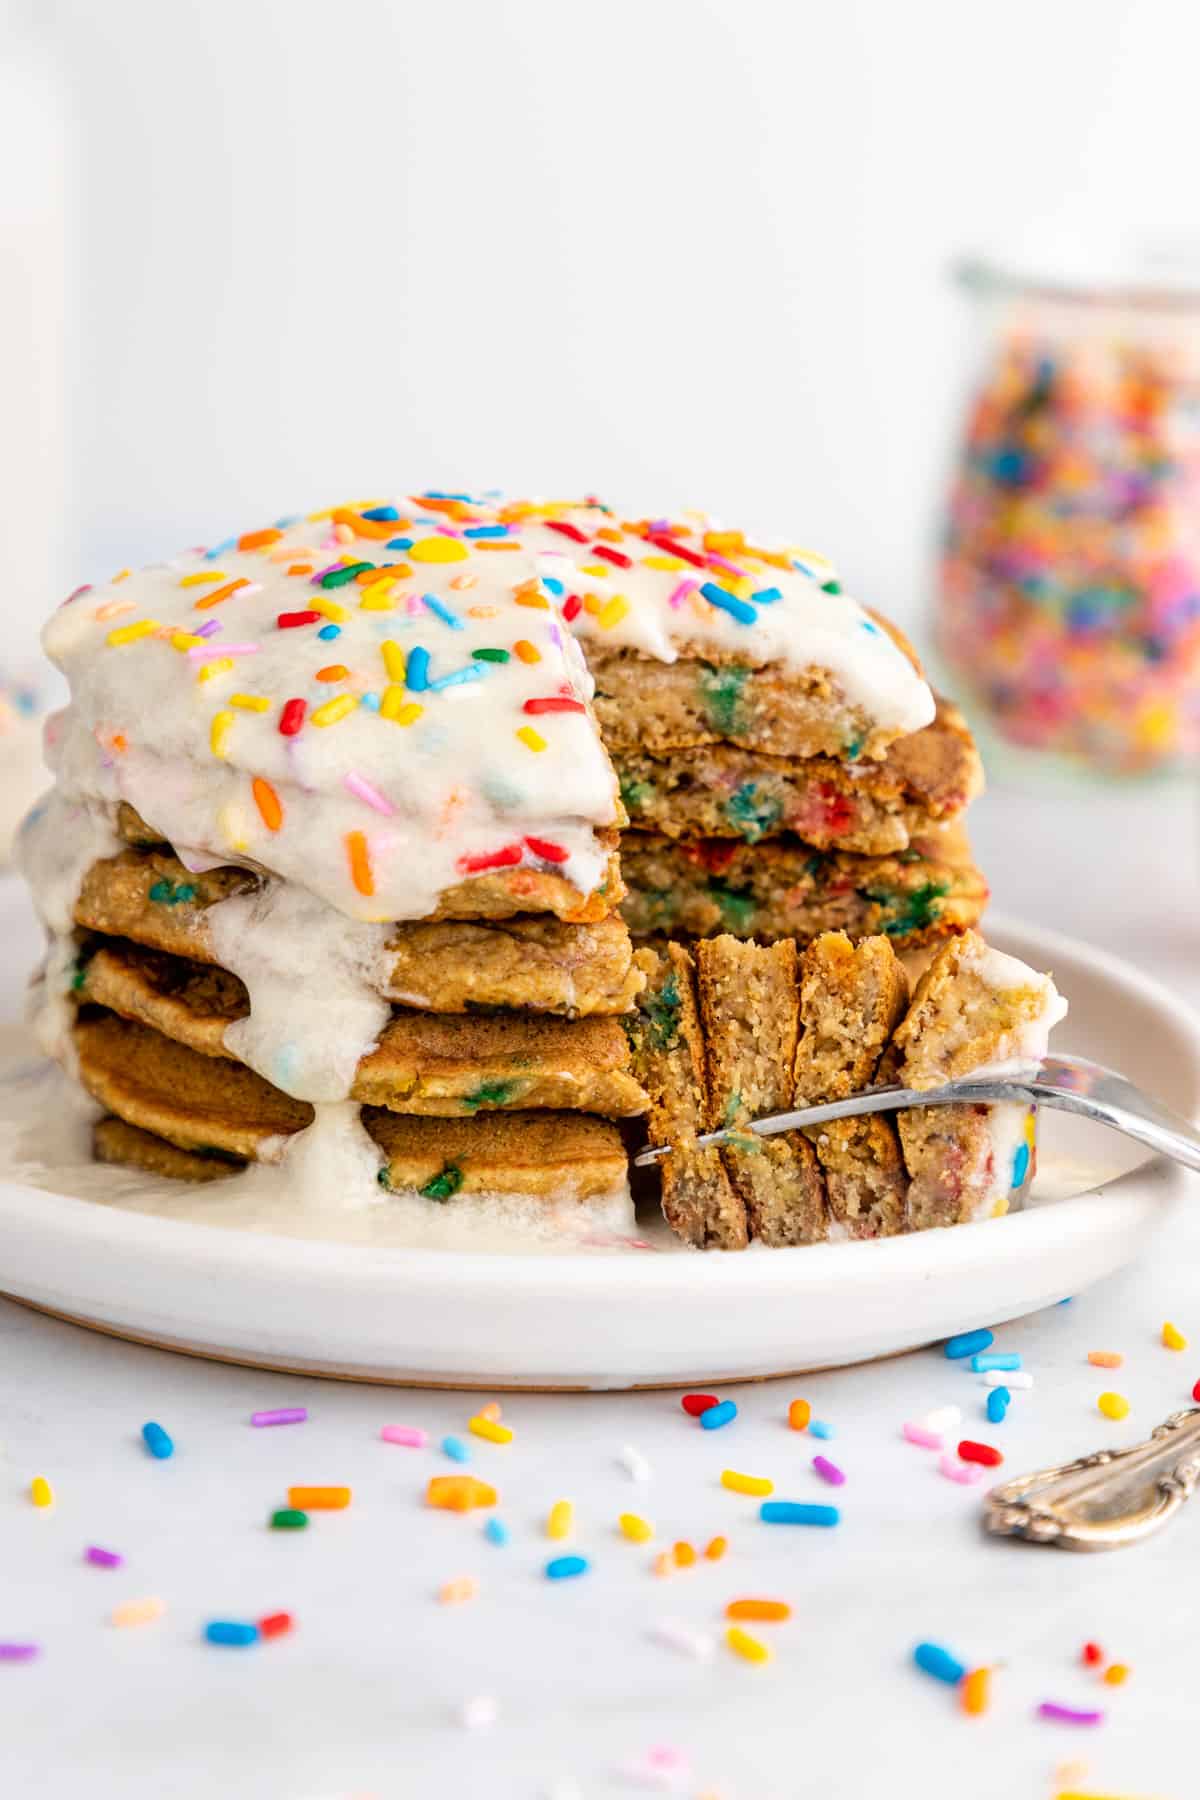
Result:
676,1636
943,1418
479,1712
1009,1378
634,1463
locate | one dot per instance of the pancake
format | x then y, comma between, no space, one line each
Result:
783,888
423,1063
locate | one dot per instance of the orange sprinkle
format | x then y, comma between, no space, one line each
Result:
221,593
333,672
492,1410
112,609
464,581
974,1692
1117,1674
452,1593
458,1493
300,569
482,612
535,600
494,544
799,1413
776,1610
118,742
663,1563
269,805
360,862
715,1549
319,1499
348,524
1106,1359
258,540
684,1555
526,651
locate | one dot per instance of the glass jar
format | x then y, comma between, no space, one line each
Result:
1069,592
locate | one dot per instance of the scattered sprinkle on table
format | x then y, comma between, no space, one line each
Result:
746,1484
40,1491
276,1625
231,1631
920,1435
490,1430
478,1713
319,1499
1113,1406
942,1664
157,1441
19,1653
281,1415
797,1512
943,1418
676,1636
980,1453
819,1429
1172,1337
1092,1655
496,1532
1069,1715
411,1436
774,1611
713,1417
459,1493
563,1568
715,1548
983,1365
751,1649
1018,1378
829,1471
560,1521
456,1450
634,1463
1105,1359
695,1404
998,1402
799,1413
684,1554
453,1593
635,1528
288,1518
967,1343
963,1472
975,1691
139,1612
102,1559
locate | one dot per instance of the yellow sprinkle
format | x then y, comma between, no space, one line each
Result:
453,1593
377,598
220,666
333,710
396,707
662,562
489,1429
613,612
40,1491
409,714
233,825
1113,1406
139,1612
561,1521
532,738
394,660
250,702
330,609
751,1648
129,634
1172,1337
599,571
121,575
746,1484
637,1530
222,725
208,575
185,640
1117,1674
438,550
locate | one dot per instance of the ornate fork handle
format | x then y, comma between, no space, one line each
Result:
1106,1500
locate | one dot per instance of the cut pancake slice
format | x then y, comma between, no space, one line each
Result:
448,966
784,888
698,1201
852,996
422,1064
750,1014
722,790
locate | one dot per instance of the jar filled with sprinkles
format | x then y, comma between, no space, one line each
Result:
1069,591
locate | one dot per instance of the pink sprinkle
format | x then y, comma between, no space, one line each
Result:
102,1559
719,562
917,1434
964,1472
19,1652
413,604
448,531
210,628
680,593
358,784
1068,1715
410,1435
206,652
320,575
281,1415
829,1471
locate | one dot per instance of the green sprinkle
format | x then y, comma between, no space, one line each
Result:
831,587
634,793
337,578
854,749
733,1107
384,1178
913,912
753,814
722,698
288,1518
738,905
185,891
490,1093
490,655
161,891
443,1186
78,977
167,894
661,1012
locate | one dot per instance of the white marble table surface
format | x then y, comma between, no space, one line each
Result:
364,1698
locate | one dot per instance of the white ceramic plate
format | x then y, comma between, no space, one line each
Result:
589,1320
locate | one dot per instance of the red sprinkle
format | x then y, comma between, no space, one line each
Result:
567,529
552,705
498,859
613,556
275,1625
292,716
663,542
286,621
979,1453
1196,1391
695,1404
1092,1655
546,850
572,607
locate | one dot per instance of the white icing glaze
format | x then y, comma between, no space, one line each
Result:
1028,1042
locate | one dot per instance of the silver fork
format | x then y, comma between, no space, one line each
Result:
1070,1083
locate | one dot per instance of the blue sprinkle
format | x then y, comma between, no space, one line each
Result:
796,1512
714,1417
561,1568
399,544
818,1428
486,531
385,514
496,1532
455,1449
371,702
443,612
554,584
329,631
997,1405
741,610
220,549
935,1660
437,494
864,625
229,1631
416,674
157,1441
471,672
981,1364
1020,1165
766,596
968,1342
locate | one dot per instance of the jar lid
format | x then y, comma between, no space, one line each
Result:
1162,272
